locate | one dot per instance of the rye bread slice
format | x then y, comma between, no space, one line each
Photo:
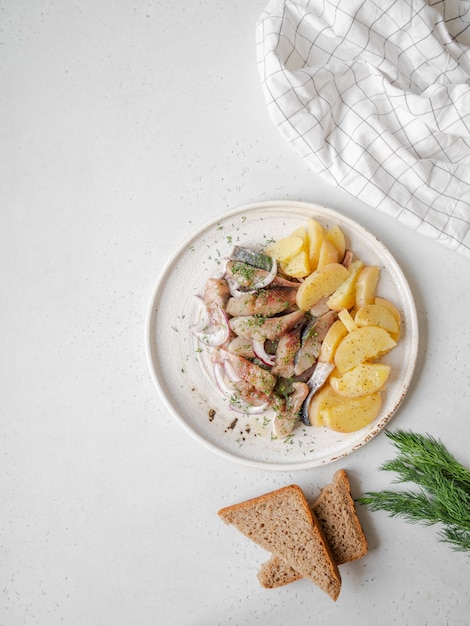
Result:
336,513
283,523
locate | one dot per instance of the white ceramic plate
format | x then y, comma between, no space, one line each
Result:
181,367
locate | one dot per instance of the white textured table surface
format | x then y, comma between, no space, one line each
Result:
124,127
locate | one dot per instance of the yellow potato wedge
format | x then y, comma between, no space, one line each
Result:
345,296
363,344
315,240
394,311
390,306
343,414
283,250
300,232
328,254
298,266
376,315
347,319
350,414
333,337
361,380
366,284
320,400
336,236
319,284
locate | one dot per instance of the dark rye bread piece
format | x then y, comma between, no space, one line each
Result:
282,523
335,511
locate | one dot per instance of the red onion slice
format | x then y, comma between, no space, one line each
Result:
230,372
219,375
268,279
236,289
215,332
260,352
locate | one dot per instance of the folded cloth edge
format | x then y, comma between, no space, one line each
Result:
429,195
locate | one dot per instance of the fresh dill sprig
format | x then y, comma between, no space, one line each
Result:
443,488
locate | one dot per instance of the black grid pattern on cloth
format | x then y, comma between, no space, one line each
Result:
375,96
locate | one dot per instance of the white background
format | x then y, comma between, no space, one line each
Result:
125,126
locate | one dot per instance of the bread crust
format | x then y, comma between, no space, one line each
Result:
341,527
282,522
356,543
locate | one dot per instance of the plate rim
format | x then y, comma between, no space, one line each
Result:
150,349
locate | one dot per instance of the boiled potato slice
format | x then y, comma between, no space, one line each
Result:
343,414
390,306
376,315
394,311
299,265
321,400
347,319
333,337
362,380
362,344
336,236
366,285
283,250
350,414
300,232
315,240
319,284
345,296
328,254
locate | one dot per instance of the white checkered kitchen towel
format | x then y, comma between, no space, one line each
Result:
375,95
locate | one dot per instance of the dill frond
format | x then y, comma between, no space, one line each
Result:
443,488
